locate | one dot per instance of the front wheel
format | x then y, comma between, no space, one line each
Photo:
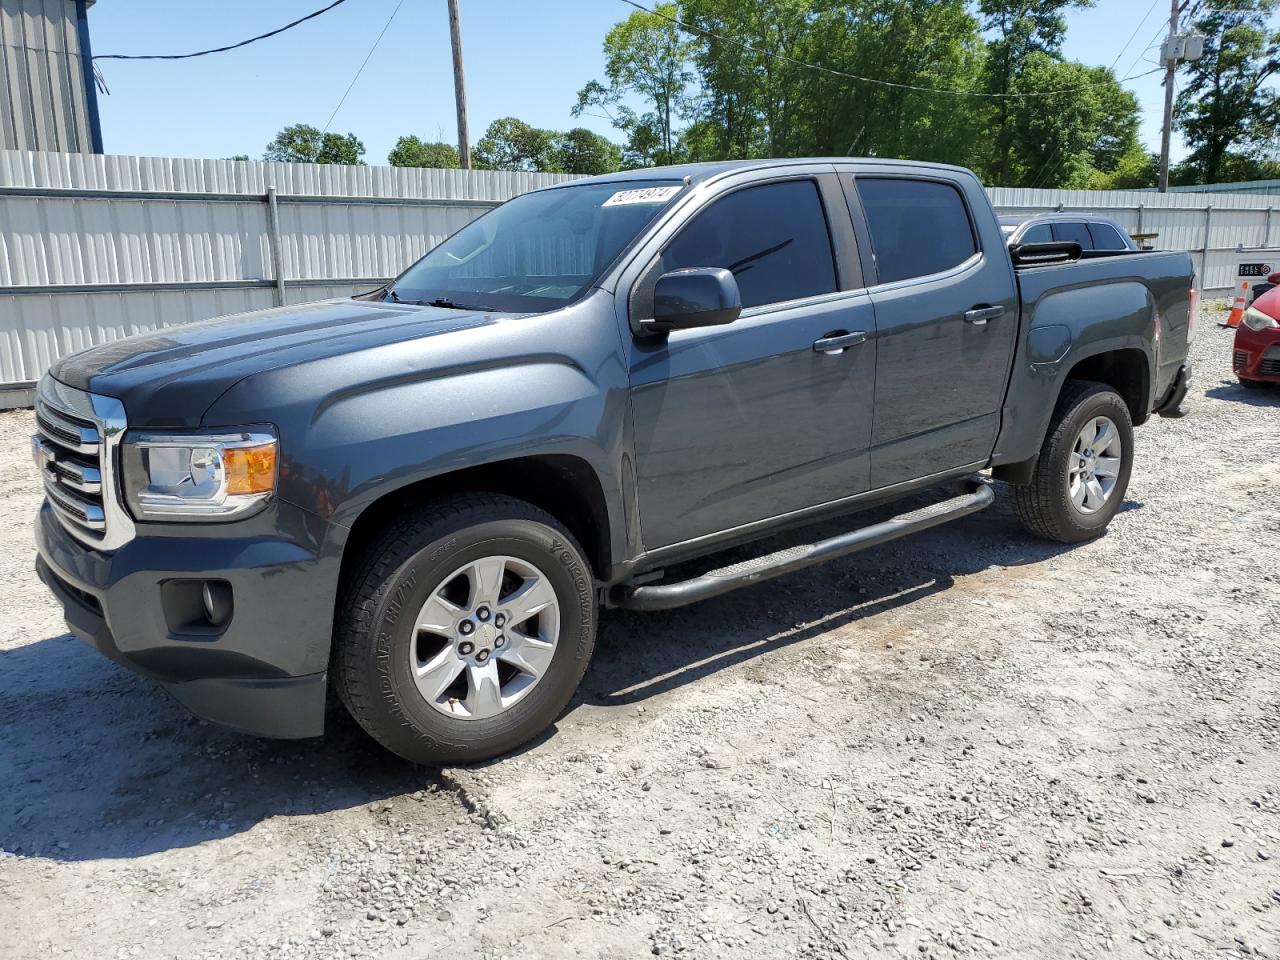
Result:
1083,469
465,629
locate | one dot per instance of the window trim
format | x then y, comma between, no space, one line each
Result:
641,293
977,257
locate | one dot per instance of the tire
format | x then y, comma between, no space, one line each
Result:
1046,505
443,552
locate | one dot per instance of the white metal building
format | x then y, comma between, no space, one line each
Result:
48,100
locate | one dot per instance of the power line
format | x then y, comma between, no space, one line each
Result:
1134,34
233,46
385,27
1054,155
689,28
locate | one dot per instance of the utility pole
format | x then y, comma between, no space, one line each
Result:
460,87
1170,69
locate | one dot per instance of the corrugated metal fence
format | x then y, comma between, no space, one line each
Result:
93,248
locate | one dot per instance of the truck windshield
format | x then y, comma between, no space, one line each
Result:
538,251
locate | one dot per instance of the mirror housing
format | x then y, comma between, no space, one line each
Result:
695,297
1274,278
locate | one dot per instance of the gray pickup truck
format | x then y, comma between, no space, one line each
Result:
425,495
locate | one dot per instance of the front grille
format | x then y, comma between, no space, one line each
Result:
1240,360
1270,366
74,446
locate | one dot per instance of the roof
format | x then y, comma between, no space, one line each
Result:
702,172
1014,219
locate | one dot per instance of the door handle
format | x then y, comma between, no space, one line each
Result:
979,316
836,343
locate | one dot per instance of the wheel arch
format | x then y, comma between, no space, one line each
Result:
1127,370
563,485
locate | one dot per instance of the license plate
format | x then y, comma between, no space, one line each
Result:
1253,270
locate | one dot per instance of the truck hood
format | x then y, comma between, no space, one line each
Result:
170,377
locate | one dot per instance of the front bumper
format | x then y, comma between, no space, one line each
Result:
1255,355
262,670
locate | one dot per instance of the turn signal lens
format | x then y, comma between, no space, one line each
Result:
250,469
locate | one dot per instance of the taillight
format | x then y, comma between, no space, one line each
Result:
1193,314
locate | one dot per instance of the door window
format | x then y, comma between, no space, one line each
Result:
1040,233
1106,237
773,239
918,227
1073,231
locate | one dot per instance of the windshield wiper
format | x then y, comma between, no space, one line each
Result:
450,305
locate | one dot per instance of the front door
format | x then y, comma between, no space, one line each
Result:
749,421
946,321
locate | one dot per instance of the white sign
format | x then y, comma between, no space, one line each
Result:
643,195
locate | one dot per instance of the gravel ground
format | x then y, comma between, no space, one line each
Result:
966,743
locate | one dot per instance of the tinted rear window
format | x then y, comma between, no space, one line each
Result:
1106,237
1040,233
918,227
1073,231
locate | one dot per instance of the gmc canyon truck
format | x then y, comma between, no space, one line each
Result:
423,496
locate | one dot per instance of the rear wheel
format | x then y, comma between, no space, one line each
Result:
1083,469
465,629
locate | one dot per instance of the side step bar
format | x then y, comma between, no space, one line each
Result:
668,595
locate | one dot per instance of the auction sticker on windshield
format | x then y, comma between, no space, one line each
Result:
644,195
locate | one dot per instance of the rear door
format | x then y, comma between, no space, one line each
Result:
755,419
946,319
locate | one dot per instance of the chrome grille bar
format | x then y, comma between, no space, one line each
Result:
75,449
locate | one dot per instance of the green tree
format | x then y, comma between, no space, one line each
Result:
1020,29
582,151
1225,105
303,143
1073,138
646,57
410,151
512,144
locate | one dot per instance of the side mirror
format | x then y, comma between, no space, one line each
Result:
697,297
1274,278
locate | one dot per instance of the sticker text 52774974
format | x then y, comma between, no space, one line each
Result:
642,195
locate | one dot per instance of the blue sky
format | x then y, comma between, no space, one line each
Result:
524,58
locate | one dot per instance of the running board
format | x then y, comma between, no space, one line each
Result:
668,595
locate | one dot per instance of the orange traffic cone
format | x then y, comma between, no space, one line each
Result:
1237,307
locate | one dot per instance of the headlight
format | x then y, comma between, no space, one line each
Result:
216,476
1255,319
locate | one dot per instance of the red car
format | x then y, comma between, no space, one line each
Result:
1256,354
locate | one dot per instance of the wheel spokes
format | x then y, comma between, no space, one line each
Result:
531,598
1107,467
484,694
1095,495
528,654
486,580
1106,435
439,615
436,675
476,652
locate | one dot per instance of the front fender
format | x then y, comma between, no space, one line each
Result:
356,428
